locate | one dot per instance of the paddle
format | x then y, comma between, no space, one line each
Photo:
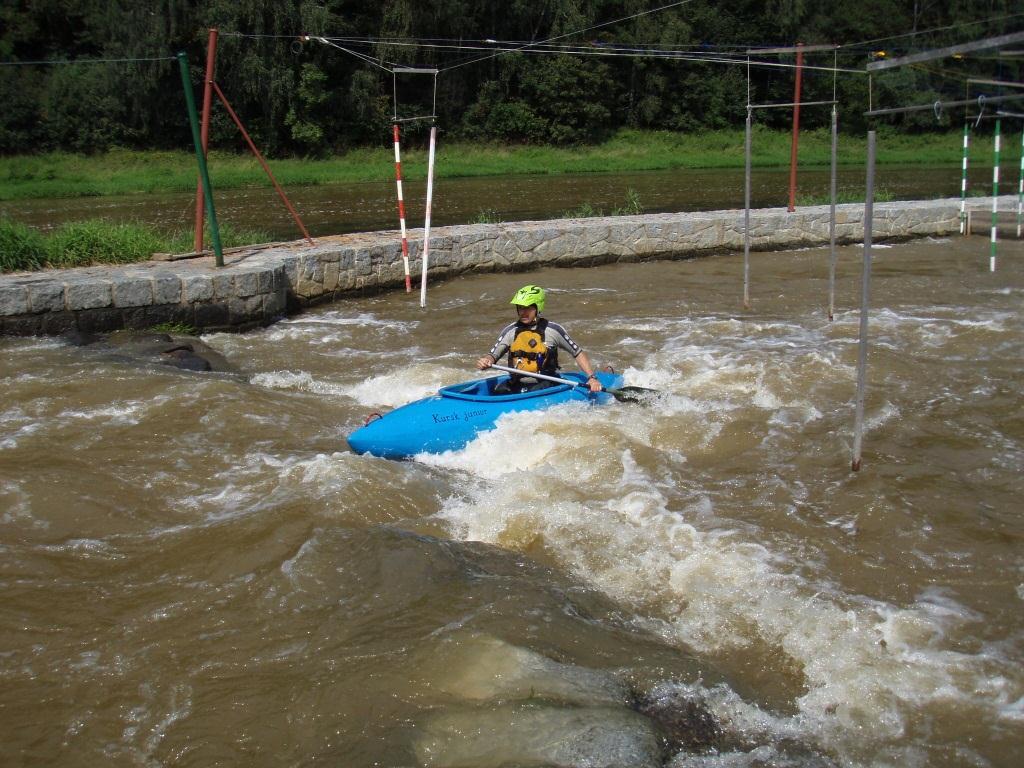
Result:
622,394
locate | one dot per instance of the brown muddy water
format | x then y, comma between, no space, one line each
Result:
195,571
335,208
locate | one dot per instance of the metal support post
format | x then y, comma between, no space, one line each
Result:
204,174
796,128
746,215
832,220
862,349
204,131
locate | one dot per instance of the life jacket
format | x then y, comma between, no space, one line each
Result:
529,353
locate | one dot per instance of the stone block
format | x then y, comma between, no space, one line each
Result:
45,296
13,300
363,264
211,316
88,295
166,289
197,288
332,276
223,286
22,325
133,292
247,284
100,320
56,323
266,282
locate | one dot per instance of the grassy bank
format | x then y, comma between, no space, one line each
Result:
124,172
85,243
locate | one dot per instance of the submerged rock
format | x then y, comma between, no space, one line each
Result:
186,353
536,735
477,667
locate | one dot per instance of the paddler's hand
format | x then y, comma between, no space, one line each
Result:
485,362
594,384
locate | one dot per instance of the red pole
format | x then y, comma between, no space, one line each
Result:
266,168
401,209
204,129
796,128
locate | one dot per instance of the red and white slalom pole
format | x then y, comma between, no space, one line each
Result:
426,222
401,211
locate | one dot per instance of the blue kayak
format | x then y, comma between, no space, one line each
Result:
454,416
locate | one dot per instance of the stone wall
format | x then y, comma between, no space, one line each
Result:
259,285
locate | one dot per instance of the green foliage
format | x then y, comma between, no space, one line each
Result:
487,216
21,248
587,210
82,243
301,97
176,329
94,241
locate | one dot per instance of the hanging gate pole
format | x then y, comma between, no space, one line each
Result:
995,205
963,181
832,220
401,209
426,221
1020,186
204,131
746,214
796,128
862,350
204,173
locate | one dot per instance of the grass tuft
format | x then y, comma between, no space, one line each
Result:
94,241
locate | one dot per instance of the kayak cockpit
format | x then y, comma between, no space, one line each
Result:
483,389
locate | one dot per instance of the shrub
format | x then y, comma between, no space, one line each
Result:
21,248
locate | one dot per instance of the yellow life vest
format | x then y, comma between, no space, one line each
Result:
528,351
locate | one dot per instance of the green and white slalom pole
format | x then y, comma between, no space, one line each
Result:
1020,186
995,204
963,181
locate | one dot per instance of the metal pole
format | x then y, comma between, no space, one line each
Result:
204,132
796,128
832,220
862,352
426,224
746,215
204,174
263,163
401,209
963,181
995,204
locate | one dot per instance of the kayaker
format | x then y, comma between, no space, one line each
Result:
532,344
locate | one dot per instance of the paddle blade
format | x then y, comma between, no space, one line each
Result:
640,395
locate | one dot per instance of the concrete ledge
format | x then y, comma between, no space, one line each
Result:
261,284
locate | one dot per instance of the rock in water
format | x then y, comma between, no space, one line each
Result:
478,667
536,735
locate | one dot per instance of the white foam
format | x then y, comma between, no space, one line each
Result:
868,667
396,388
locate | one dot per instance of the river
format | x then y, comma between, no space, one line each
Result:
195,570
332,209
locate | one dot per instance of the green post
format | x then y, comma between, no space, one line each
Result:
204,173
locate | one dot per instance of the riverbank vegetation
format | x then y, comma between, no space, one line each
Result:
314,79
94,241
122,172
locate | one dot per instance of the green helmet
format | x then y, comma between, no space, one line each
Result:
529,295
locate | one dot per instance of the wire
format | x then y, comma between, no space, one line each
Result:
570,34
56,62
361,56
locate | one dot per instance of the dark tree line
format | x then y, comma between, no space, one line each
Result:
305,97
